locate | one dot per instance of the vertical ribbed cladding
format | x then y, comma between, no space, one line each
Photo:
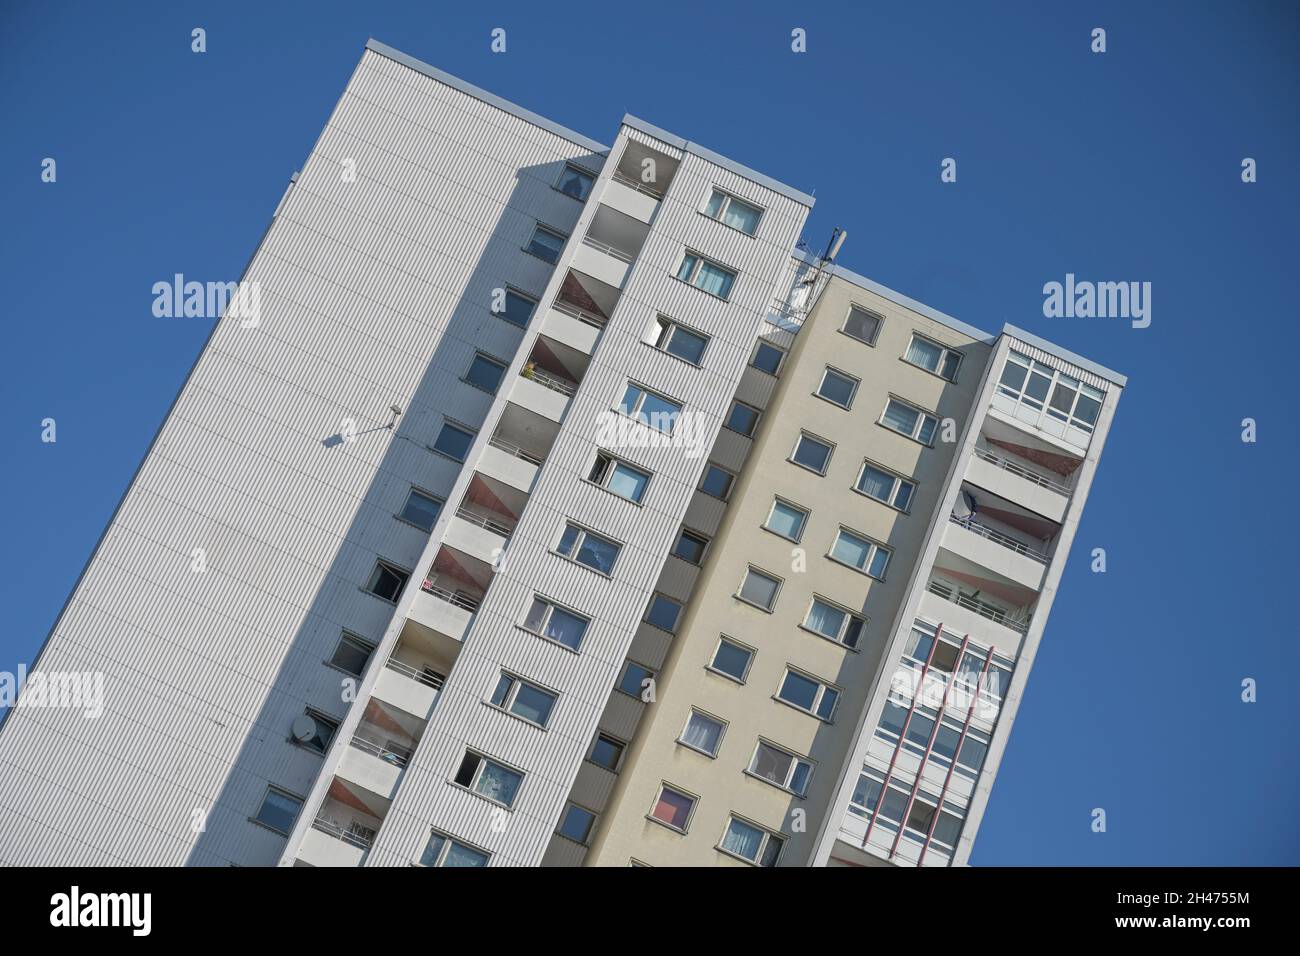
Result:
373,292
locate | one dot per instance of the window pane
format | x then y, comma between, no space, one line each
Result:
716,482
767,358
431,852
742,216
945,741
634,678
826,706
862,324
461,855
351,655
717,200
925,354
485,374
786,520
759,589
742,419
825,619
687,345
597,553
1013,375
853,633
278,811
628,482
837,388
687,267
576,824
947,829
771,851
865,795
533,704
876,483
879,561
950,362
812,454
714,279
743,840
673,808
901,418
631,398
903,497
499,783
536,615
851,549
799,779
731,659
659,412
454,442
799,690
568,539
926,434
546,245
702,733
663,613
566,628
421,510
502,690
689,548
575,183
972,753
518,309
892,718
771,764
1087,409
606,752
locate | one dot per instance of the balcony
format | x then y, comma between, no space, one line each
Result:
1010,542
408,687
549,378
380,749
611,245
639,181
586,299
974,612
450,594
345,827
518,446
569,324
1003,475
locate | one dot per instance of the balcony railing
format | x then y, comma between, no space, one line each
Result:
424,677
1008,465
982,608
483,521
383,753
553,382
636,184
340,832
609,250
984,531
512,449
579,313
462,599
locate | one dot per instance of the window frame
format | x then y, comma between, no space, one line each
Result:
428,495
512,696
487,359
281,791
681,792
591,825
922,415
581,171
853,391
347,636
553,233
830,452
579,540
616,461
899,481
703,540
677,618
551,607
700,261
880,321
319,716
476,777
750,654
383,564
876,547
849,617
532,300
456,426
448,842
705,715
782,355
944,352
795,761
822,687
610,738
623,673
668,329
727,199
768,837
634,411
803,524
776,593
758,416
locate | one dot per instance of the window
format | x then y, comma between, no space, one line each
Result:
325,727
676,339
690,546
837,387
387,581
587,547
751,843
634,679
607,752
673,808
555,623
443,850
619,477
703,733
1028,383
490,779
862,325
517,308
576,823
767,358
705,275
546,244
454,441
663,613
729,210
779,766
485,373
278,810
885,486
807,693
421,510
732,659
524,700
786,519
832,621
717,482
909,421
812,453
759,589
742,418
351,654
866,794
861,553
933,357
970,756
575,182
655,410
1075,403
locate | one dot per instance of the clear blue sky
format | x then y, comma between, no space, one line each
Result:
1121,166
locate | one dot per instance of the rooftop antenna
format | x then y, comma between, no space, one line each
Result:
827,259
396,410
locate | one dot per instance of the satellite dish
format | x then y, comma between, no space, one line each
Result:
304,728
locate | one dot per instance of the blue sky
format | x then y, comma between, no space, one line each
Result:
1119,166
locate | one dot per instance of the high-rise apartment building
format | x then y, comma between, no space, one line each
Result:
557,510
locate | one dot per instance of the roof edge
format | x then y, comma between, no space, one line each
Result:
1064,353
528,116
